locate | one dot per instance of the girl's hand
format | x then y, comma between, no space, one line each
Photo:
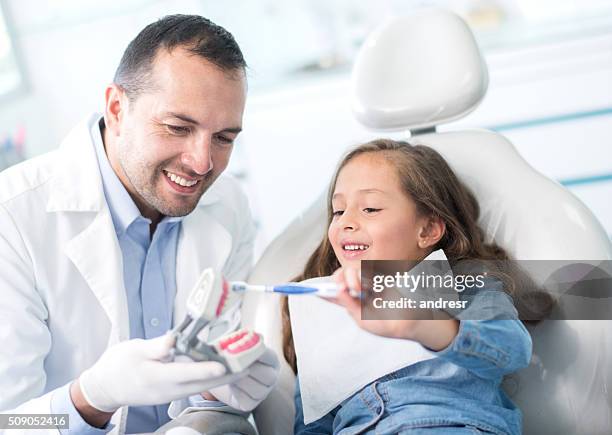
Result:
433,334
349,281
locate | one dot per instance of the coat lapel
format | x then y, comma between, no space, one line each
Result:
96,254
94,250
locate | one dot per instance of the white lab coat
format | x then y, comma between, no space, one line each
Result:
62,296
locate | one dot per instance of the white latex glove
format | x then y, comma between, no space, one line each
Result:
250,390
132,373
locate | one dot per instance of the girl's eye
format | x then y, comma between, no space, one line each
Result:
178,129
371,210
338,212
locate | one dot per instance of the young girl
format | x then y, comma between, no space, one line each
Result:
394,201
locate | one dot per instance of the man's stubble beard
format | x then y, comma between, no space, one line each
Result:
147,189
178,208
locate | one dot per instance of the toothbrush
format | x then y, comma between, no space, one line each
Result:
324,289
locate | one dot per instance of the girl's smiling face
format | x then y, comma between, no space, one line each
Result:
374,219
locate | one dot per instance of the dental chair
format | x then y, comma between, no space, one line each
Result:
416,73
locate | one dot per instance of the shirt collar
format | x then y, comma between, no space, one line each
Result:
122,207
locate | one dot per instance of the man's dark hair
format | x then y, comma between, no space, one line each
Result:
196,34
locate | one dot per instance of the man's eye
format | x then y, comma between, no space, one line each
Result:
178,129
224,140
371,210
338,212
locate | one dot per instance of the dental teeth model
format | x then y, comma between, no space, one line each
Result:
240,349
206,302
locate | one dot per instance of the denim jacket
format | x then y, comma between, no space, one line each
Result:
461,387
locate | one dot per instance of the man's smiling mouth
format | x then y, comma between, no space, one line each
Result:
177,179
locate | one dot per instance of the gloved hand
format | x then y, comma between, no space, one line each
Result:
249,391
132,373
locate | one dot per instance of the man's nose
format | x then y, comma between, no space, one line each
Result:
198,157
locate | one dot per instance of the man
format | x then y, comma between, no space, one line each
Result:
101,240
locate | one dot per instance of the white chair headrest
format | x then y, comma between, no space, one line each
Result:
418,71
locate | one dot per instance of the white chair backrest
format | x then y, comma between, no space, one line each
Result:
434,58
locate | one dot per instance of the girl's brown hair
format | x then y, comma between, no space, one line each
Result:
429,181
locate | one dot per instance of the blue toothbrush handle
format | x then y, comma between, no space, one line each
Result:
289,289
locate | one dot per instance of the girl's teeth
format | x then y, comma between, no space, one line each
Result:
356,247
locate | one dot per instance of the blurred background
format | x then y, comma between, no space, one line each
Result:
550,91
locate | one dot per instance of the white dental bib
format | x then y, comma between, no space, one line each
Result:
336,358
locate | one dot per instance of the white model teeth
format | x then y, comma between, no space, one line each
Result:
235,345
180,180
356,247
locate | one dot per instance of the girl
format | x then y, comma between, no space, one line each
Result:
391,200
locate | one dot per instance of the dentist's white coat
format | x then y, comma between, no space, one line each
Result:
62,297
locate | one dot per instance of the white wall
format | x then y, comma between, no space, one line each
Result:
68,59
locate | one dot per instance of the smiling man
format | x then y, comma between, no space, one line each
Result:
171,127
101,241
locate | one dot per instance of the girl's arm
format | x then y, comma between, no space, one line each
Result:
433,334
490,348
489,340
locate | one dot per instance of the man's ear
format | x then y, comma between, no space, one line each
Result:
432,231
116,106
